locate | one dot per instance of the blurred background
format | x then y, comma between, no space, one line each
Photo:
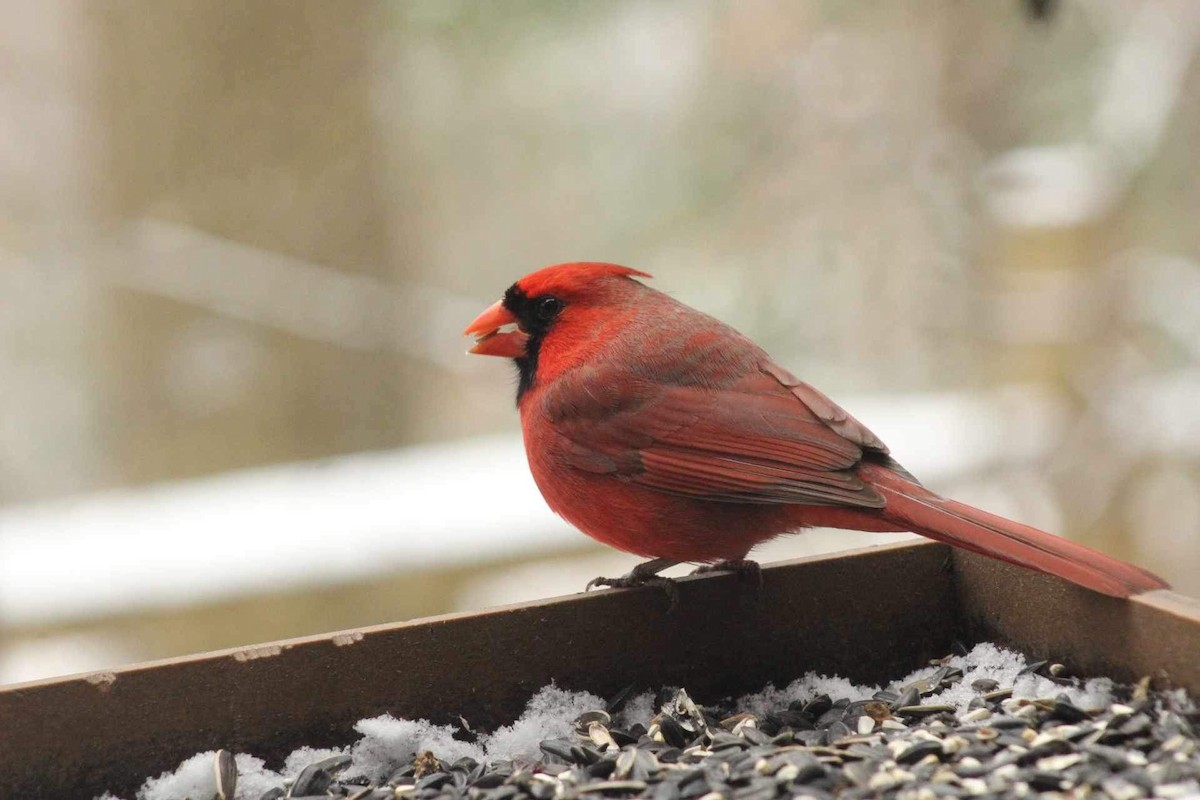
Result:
238,243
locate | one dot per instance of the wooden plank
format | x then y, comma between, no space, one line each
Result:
1156,634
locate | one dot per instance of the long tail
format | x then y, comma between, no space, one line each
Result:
917,509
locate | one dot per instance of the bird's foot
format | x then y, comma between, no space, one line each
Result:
644,574
745,569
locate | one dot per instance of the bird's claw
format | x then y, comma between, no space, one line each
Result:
600,583
745,569
632,580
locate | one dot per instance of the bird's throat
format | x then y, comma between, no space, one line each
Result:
527,366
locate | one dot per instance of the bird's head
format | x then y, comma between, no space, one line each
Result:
566,301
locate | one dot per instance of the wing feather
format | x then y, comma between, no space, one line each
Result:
757,440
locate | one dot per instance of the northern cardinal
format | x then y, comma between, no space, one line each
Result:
660,431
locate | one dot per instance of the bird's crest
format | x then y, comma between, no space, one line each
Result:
573,277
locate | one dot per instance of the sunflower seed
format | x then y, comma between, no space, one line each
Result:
226,773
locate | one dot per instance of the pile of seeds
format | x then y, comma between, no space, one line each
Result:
902,742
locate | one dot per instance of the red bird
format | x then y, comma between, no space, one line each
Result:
662,432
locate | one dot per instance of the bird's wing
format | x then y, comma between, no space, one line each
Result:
764,438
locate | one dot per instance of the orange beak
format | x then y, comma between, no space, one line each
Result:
489,341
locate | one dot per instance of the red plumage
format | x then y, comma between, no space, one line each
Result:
663,432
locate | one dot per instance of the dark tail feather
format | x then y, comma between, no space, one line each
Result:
954,523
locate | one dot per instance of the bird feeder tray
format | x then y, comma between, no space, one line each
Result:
865,615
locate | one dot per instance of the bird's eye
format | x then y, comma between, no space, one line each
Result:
548,308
